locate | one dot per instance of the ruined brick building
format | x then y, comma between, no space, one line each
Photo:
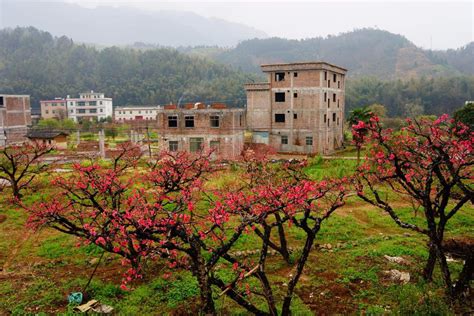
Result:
300,109
15,117
198,125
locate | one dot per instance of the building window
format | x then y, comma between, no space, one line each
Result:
325,118
71,103
325,96
81,103
279,96
334,77
279,76
93,103
195,144
338,103
81,111
173,145
284,140
279,118
173,121
295,74
339,85
131,112
325,75
71,111
214,121
1,102
329,83
337,121
295,95
215,145
93,111
295,116
240,119
46,111
101,110
100,103
333,97
334,117
309,141
189,121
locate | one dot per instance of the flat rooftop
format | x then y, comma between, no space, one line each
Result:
306,65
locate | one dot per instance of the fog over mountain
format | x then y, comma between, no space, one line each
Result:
121,25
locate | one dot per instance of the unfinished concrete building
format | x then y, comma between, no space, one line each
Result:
15,117
198,125
300,109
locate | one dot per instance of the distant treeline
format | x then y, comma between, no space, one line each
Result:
412,97
34,62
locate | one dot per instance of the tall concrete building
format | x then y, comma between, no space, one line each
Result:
300,109
15,117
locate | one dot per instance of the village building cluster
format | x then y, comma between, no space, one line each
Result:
299,109
89,106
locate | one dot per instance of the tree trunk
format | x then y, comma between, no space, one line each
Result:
465,276
283,243
15,189
430,264
200,272
286,310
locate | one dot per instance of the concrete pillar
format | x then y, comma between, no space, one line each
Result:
78,137
102,143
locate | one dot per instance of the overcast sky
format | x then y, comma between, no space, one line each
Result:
429,24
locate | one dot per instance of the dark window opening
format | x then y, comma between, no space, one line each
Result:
295,74
172,121
279,96
279,118
329,83
279,76
325,96
214,121
295,116
337,121
295,95
334,97
284,140
339,85
195,144
334,77
325,118
1,101
329,102
189,121
173,145
309,141
337,102
334,117
240,120
325,75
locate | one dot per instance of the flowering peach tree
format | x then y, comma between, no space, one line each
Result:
21,164
162,210
430,161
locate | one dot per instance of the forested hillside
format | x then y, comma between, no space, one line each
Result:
365,52
34,62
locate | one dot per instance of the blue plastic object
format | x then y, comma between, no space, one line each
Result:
75,298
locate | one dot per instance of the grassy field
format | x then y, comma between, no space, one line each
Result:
40,269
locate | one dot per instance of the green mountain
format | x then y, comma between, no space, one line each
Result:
36,63
365,52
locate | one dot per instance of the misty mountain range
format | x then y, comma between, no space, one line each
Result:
121,26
